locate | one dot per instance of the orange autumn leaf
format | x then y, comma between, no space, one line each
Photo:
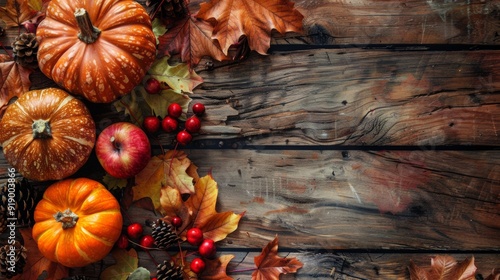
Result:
216,268
170,169
36,264
254,19
444,268
271,266
192,39
18,11
14,81
201,205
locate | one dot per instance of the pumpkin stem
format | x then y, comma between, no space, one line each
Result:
88,32
67,218
41,129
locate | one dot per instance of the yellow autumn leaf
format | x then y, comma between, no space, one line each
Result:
169,169
201,205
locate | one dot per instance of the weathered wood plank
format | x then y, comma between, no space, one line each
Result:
355,97
360,199
386,22
321,265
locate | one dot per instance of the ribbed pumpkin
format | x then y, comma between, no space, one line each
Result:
100,49
47,134
76,222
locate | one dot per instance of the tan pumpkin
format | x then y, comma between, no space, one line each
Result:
99,49
77,222
47,134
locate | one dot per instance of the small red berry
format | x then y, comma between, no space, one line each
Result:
151,124
194,236
169,124
207,248
184,138
152,86
134,230
193,124
197,265
176,221
198,109
174,110
122,242
147,241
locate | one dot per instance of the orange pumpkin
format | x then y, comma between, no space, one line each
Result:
99,49
76,222
47,134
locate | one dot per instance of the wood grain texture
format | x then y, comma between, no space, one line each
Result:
355,97
337,265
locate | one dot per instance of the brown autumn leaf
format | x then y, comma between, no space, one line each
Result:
495,275
192,39
270,266
14,81
18,11
170,169
254,19
37,266
201,206
444,267
216,268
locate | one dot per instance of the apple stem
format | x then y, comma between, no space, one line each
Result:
115,144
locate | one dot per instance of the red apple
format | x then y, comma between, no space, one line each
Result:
123,149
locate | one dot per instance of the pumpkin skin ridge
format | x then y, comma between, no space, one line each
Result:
86,246
55,59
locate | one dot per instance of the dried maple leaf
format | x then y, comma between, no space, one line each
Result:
18,11
178,76
216,268
170,169
201,205
444,268
271,266
37,266
14,81
254,19
192,39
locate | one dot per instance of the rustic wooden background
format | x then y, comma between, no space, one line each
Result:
369,141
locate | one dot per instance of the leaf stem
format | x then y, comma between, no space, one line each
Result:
243,270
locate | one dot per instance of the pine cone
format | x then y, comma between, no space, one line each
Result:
25,201
169,271
167,10
25,48
12,265
164,234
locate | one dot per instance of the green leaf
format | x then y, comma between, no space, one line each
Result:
113,183
159,102
178,77
134,106
126,263
158,28
140,274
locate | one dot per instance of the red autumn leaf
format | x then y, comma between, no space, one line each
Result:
14,81
192,39
37,266
444,268
254,19
271,266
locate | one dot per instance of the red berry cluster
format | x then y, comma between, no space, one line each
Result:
135,231
206,248
170,123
